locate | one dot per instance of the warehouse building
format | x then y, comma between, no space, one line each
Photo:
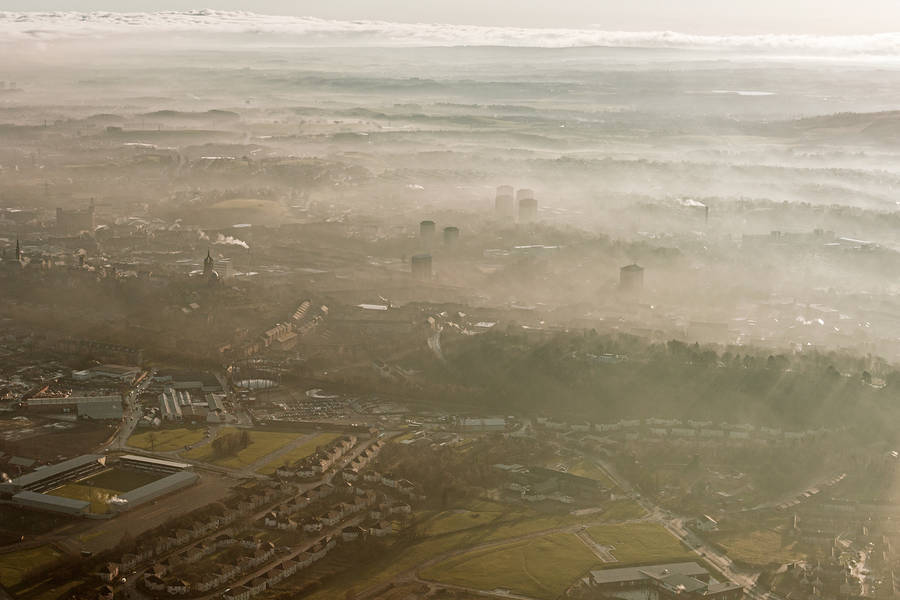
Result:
154,490
82,406
673,581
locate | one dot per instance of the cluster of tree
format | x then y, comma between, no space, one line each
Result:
447,475
230,443
562,376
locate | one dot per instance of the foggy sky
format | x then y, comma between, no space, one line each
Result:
690,16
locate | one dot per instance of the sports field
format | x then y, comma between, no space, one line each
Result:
98,497
542,568
121,480
99,488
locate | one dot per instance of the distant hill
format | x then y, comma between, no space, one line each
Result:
879,127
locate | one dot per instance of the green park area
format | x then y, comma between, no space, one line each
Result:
167,440
261,444
758,548
306,448
639,543
543,567
441,534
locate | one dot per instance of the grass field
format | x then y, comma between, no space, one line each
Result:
302,451
15,565
121,480
759,548
262,443
456,529
45,591
167,440
542,567
97,496
585,468
639,543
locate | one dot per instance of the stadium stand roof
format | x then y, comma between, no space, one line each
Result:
156,489
57,469
54,503
157,462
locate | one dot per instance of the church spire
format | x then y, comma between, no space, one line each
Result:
208,264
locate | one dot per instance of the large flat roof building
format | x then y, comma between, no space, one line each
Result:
672,581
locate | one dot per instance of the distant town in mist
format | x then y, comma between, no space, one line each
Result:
298,308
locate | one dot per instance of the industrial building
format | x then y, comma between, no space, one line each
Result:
661,582
75,221
194,407
451,235
503,203
117,372
631,278
426,232
421,267
88,407
527,210
55,475
151,491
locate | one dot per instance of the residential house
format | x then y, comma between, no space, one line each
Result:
312,525
257,586
290,567
154,583
381,528
106,593
349,534
109,572
178,587
207,581
331,518
400,508
238,593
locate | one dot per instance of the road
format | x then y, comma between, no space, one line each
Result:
134,592
675,524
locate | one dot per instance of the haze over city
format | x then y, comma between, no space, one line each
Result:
393,301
